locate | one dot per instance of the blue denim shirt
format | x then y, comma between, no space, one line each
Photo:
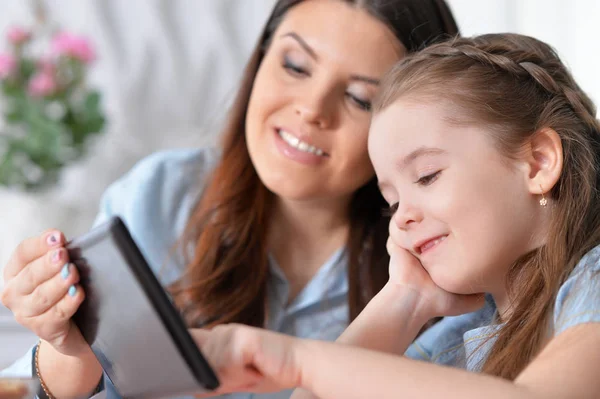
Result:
464,341
155,200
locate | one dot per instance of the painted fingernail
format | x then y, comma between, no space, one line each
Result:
65,271
52,239
56,255
72,290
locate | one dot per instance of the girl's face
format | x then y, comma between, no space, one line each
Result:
460,206
309,112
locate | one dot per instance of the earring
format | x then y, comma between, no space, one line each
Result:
543,201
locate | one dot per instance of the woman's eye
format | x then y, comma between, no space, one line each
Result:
429,179
363,105
390,210
292,68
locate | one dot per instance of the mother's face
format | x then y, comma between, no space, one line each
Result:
309,112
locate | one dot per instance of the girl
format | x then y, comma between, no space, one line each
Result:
280,228
488,154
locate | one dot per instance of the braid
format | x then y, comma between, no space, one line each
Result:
533,64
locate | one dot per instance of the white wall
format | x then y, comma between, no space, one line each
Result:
167,67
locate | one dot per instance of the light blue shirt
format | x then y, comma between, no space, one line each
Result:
465,341
155,200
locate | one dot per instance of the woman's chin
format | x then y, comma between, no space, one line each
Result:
287,190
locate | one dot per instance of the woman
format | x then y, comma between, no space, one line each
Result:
280,229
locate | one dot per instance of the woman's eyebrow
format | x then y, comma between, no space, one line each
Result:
365,79
313,54
302,43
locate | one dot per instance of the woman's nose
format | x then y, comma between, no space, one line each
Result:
316,107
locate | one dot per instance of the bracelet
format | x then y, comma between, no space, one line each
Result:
46,393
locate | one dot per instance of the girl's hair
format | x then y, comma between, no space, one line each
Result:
226,275
516,85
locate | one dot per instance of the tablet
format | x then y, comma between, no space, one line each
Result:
128,320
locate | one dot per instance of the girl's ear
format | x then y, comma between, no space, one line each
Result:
543,159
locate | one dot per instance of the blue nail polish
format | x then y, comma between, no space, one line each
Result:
72,290
65,271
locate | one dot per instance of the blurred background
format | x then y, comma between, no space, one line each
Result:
166,71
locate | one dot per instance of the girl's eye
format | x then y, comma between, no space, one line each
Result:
429,179
292,68
363,105
390,210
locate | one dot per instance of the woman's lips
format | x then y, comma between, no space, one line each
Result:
297,150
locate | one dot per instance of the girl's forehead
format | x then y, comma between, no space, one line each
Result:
405,126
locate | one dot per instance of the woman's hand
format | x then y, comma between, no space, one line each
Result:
42,293
248,359
407,273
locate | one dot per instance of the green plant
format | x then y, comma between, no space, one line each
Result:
49,113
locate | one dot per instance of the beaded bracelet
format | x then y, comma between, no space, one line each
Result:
44,392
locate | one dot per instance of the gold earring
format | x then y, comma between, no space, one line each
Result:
543,201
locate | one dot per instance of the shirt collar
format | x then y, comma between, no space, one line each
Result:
329,282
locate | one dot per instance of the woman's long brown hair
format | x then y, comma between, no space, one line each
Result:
226,275
515,86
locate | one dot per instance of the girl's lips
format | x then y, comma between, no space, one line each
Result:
429,244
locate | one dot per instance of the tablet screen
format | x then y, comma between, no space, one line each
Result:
135,332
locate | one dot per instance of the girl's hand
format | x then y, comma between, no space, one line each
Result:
42,293
407,273
248,359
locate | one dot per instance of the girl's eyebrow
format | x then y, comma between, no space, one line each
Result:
419,152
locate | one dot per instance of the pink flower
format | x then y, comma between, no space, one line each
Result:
17,35
8,64
42,84
46,65
73,46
